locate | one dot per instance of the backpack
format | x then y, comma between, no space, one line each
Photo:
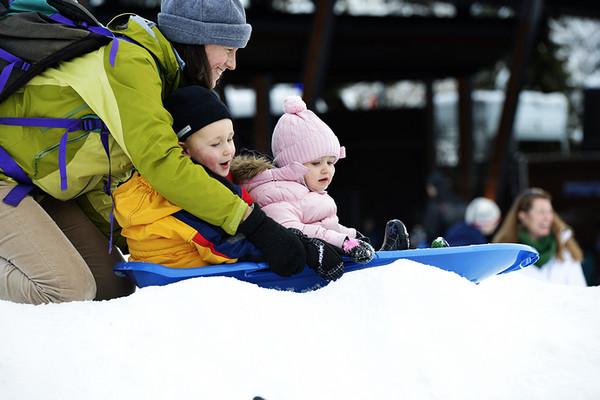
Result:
35,35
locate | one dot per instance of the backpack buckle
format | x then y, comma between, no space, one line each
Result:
91,124
23,65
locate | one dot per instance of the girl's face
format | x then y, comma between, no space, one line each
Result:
220,58
321,173
212,146
538,220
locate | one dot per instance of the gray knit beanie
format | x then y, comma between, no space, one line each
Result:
218,22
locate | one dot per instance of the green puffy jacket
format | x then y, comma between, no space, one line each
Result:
128,98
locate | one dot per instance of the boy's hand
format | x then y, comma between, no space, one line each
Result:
283,251
322,257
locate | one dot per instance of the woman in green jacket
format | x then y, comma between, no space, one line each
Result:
54,247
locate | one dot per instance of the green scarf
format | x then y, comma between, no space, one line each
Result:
546,246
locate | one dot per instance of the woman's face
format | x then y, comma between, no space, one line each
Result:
538,220
220,58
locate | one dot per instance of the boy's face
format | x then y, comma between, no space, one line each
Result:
321,173
212,146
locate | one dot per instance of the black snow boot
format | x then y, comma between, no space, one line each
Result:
396,236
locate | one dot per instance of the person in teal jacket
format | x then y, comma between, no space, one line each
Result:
54,246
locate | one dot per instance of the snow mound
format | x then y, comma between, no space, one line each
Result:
403,331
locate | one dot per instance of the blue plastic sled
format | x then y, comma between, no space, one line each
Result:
475,263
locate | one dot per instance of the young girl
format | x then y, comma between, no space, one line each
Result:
159,231
294,194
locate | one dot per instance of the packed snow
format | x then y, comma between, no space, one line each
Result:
402,331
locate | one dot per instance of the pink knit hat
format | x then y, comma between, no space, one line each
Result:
300,136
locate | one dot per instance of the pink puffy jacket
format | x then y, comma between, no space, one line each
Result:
283,196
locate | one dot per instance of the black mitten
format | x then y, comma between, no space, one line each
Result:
322,257
283,251
358,250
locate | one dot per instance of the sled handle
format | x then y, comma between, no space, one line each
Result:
524,259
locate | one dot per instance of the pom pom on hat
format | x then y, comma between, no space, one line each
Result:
300,136
218,22
483,214
293,105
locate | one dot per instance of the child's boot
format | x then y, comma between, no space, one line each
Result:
396,236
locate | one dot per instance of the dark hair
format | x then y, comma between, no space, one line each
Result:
197,68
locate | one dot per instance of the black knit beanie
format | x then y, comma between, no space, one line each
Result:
193,108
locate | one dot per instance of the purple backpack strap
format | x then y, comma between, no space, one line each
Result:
12,169
96,29
25,185
14,62
71,125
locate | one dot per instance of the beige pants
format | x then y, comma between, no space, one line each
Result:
51,252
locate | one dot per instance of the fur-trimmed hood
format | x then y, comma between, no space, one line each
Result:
283,195
246,166
250,171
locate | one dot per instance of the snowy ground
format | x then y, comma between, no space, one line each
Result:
404,331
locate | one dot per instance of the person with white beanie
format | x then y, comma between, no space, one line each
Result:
292,189
482,217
